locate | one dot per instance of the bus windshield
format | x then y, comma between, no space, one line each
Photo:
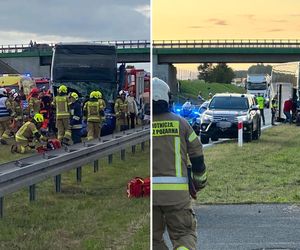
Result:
86,67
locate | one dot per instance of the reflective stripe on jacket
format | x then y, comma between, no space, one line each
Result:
92,110
26,132
261,102
120,106
62,107
173,139
3,108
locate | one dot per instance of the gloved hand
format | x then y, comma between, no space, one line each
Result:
199,181
192,189
43,138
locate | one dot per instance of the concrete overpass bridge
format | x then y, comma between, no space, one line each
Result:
36,59
166,53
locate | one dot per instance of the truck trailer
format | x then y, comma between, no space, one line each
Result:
285,85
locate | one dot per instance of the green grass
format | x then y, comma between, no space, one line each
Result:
266,170
190,89
94,214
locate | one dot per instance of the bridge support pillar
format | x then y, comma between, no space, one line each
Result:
166,72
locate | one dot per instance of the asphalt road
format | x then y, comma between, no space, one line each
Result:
232,227
247,227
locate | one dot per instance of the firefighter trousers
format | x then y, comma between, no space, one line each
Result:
76,135
63,128
180,222
23,146
4,127
93,129
121,124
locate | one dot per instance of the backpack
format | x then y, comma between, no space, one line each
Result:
138,187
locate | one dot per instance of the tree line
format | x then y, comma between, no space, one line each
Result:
222,73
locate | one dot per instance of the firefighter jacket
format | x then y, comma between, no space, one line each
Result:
173,141
121,106
274,106
4,111
102,104
76,115
27,132
34,105
17,111
62,106
92,110
9,104
261,102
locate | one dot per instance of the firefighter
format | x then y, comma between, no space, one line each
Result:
93,111
121,109
5,110
76,117
17,113
274,108
61,103
101,101
261,104
34,102
28,134
173,185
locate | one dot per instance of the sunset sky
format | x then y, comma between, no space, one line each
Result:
225,19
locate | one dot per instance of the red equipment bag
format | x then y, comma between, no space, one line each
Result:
135,187
146,187
138,187
52,144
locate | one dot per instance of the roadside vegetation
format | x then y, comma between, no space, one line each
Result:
93,214
190,89
263,171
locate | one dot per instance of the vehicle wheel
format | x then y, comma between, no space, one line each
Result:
204,139
214,138
256,134
248,136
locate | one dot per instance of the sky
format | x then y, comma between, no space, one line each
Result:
225,19
73,20
55,21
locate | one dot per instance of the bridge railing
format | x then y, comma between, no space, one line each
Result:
250,43
122,44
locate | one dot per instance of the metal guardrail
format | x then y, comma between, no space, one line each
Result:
32,170
251,43
126,44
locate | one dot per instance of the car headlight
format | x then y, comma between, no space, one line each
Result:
207,118
243,118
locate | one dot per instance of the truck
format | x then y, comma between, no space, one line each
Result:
285,85
259,84
138,81
85,67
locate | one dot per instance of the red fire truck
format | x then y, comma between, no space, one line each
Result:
138,81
